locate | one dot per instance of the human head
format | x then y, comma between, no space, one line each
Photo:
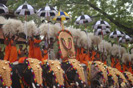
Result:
20,46
51,39
0,48
13,37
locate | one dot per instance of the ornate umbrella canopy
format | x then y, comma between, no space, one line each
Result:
61,16
25,9
100,32
101,24
3,9
101,28
47,11
83,19
125,39
116,34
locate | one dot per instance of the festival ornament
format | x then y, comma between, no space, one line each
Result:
101,28
61,16
25,10
125,39
3,9
47,12
83,19
116,35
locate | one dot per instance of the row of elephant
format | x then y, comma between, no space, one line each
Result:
31,73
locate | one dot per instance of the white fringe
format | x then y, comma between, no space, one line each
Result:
13,26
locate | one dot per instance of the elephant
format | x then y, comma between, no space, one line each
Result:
72,78
27,74
53,74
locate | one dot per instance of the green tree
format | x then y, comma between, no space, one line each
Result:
118,13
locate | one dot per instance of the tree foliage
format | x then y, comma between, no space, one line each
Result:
118,13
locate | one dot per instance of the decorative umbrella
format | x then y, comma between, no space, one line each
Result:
46,12
61,16
24,10
125,39
3,9
101,28
101,23
99,31
83,19
117,34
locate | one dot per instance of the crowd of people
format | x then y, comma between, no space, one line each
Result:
12,54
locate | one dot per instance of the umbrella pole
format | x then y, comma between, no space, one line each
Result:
62,25
128,52
48,42
118,46
87,40
103,44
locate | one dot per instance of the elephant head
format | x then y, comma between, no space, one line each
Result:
53,74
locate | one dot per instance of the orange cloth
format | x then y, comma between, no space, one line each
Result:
45,57
19,52
118,65
37,41
7,51
93,55
124,67
112,62
77,53
105,62
31,49
88,55
130,67
83,57
13,54
21,60
37,51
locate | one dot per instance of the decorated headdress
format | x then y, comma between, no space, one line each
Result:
5,73
57,72
129,77
66,44
34,66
